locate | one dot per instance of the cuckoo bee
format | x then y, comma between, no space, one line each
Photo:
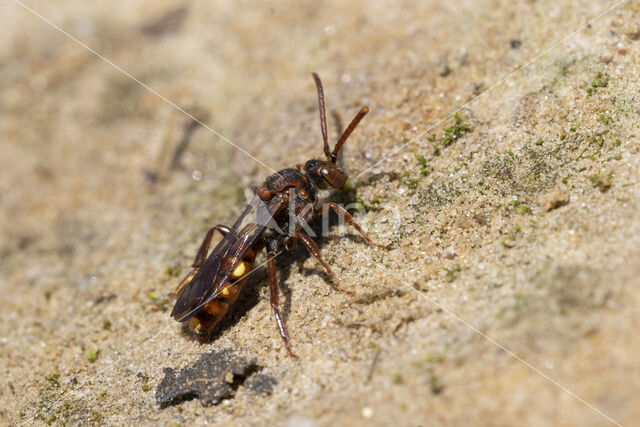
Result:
286,200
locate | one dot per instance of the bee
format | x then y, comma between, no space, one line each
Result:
287,200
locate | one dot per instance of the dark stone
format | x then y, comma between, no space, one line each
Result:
207,379
515,44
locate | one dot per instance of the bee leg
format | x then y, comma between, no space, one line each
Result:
183,283
313,249
201,256
273,290
290,242
346,216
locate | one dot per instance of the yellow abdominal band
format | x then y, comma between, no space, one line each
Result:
240,270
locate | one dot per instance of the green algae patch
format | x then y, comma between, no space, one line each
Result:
454,132
92,355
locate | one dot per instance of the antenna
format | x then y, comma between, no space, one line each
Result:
334,155
323,114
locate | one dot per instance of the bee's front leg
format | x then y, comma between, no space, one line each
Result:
313,249
346,216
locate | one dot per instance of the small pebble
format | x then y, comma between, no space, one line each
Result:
450,253
553,200
633,32
443,68
229,377
463,222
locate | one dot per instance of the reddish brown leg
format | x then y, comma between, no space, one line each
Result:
201,256
273,290
183,283
315,251
346,216
290,242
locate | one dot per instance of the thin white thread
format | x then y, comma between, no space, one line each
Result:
395,151
506,350
375,164
144,85
148,340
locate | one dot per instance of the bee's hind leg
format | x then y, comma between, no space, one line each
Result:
201,256
273,290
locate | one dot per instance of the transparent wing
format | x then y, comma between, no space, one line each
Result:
211,278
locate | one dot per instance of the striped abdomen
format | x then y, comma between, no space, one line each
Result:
215,310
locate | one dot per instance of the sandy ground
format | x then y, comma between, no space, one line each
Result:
510,294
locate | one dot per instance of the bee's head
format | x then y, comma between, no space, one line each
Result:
325,174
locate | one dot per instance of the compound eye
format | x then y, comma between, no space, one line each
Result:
327,176
333,177
303,193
